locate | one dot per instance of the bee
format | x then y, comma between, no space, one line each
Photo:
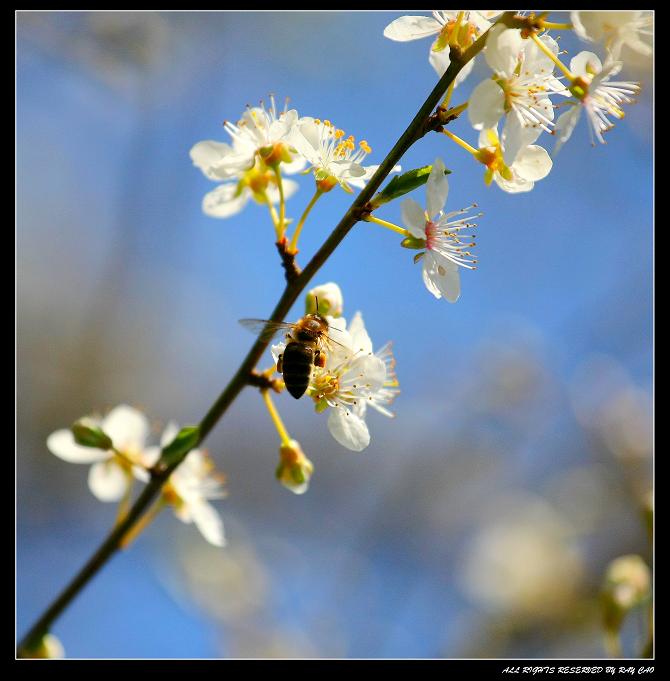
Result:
305,349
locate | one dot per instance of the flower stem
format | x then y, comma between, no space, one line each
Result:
276,419
274,216
447,97
453,39
124,504
557,27
161,472
613,643
282,203
460,142
296,235
552,56
134,532
388,225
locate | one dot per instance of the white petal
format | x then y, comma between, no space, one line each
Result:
208,156
128,427
585,64
441,277
533,163
169,434
515,185
440,62
487,105
515,137
277,350
208,521
503,48
107,480
414,218
437,188
535,61
411,28
295,166
222,202
565,125
348,429
62,444
359,336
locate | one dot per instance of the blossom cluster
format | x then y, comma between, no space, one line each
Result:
118,448
520,93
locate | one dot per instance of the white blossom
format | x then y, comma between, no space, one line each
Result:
443,24
531,163
442,236
333,157
616,29
519,90
353,379
190,488
257,133
596,95
329,297
113,469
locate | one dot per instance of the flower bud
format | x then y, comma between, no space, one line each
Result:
88,433
49,647
627,585
329,297
295,469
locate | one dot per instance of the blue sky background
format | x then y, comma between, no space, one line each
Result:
127,292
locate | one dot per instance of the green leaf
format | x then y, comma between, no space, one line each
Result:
403,184
187,438
87,433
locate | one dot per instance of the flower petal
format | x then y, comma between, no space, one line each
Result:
411,28
533,163
414,218
208,521
128,427
208,155
516,136
503,48
107,480
359,336
585,64
487,105
437,188
222,202
441,277
62,444
348,429
565,124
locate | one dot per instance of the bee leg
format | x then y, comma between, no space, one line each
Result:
280,364
319,359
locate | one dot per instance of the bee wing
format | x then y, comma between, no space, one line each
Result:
265,329
332,336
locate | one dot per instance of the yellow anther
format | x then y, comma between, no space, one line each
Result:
365,147
317,121
339,134
328,124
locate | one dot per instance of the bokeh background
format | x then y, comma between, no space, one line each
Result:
480,520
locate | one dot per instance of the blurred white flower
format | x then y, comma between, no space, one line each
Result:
593,93
329,297
519,90
441,235
523,561
616,29
444,24
334,158
49,648
260,133
190,488
113,469
530,164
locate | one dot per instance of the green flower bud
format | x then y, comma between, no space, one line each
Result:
627,585
295,469
329,297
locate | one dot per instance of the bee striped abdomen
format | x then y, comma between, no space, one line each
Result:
297,368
